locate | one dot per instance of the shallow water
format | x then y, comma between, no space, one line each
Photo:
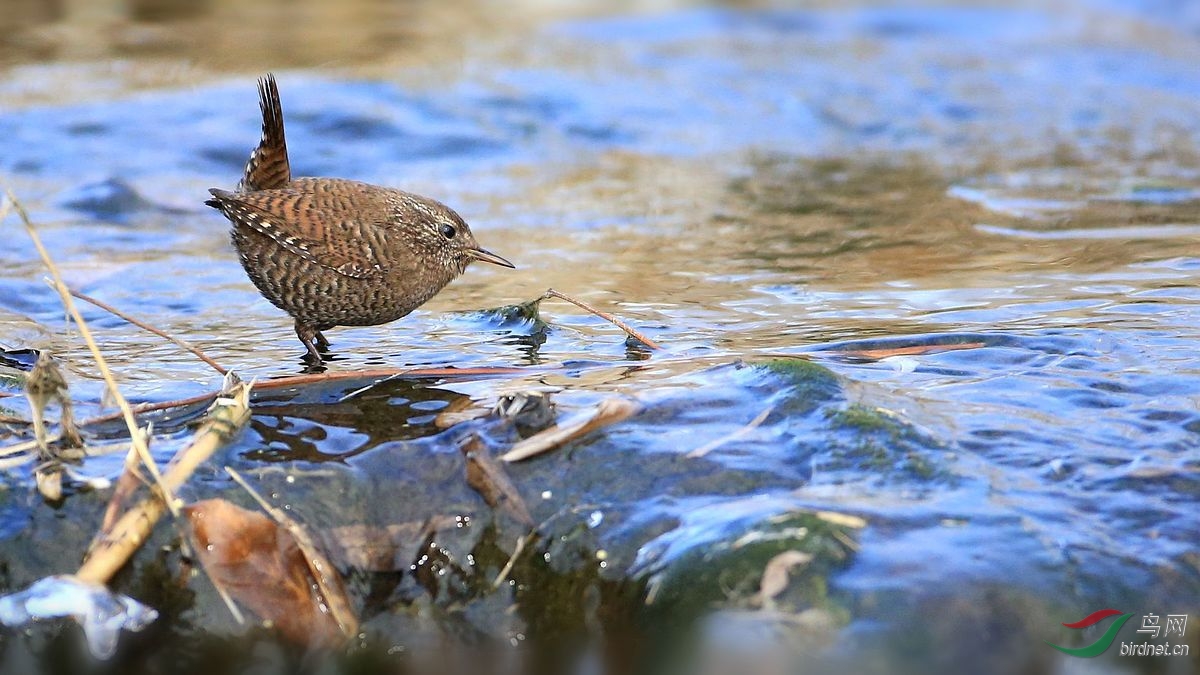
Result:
744,185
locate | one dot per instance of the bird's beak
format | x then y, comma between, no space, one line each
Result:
489,257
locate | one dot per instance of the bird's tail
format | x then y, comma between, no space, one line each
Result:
268,167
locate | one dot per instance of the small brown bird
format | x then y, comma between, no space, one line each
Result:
333,252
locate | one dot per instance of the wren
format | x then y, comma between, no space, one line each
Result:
333,252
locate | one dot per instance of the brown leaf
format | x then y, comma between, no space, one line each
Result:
491,481
260,565
330,588
610,411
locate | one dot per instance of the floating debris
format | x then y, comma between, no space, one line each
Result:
101,613
610,411
46,384
487,477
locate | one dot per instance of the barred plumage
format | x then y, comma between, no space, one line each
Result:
333,252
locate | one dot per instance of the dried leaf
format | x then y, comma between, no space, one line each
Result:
610,411
43,384
329,584
491,481
778,572
262,567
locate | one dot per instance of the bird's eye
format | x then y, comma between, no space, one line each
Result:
448,230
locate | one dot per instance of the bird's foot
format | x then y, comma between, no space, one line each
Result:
311,338
312,366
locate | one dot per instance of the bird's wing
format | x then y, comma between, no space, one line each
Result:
323,230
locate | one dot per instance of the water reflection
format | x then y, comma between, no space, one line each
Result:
339,423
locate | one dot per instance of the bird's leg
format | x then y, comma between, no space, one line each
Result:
308,333
322,341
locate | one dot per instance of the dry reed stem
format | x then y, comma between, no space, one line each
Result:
551,293
154,407
299,380
512,561
13,462
24,446
227,416
137,439
181,343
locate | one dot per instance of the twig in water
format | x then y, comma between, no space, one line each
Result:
184,344
138,440
13,462
744,431
300,380
512,560
110,552
551,293
154,407
491,481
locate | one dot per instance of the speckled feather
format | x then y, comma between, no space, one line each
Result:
268,167
333,252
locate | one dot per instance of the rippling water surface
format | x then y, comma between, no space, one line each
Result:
790,201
